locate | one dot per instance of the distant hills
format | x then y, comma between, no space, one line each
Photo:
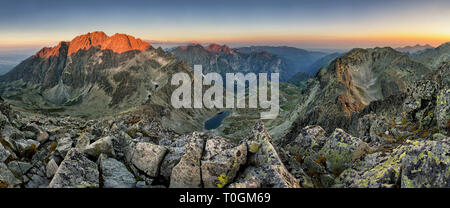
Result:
298,60
433,57
222,59
413,49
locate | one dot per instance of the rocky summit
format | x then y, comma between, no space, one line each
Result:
95,112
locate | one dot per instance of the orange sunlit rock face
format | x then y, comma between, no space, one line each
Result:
119,43
218,48
60,49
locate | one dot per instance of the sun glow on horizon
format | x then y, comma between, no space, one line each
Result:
343,24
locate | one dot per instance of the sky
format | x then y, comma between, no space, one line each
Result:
334,24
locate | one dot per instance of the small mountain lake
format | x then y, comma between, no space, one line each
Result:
216,121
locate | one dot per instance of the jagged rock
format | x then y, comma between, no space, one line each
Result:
172,158
51,168
42,137
413,164
83,141
443,98
426,165
221,162
64,145
19,168
439,136
75,171
187,173
32,128
141,184
8,177
338,151
101,146
4,154
115,174
174,154
26,148
9,135
252,182
29,134
37,181
125,145
3,120
265,164
310,140
148,157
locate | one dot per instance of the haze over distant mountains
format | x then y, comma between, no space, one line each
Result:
413,49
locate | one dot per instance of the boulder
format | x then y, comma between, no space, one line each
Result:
337,153
265,164
83,141
101,146
414,164
32,128
64,145
187,173
148,157
173,157
8,178
37,181
27,148
221,162
4,154
426,165
115,174
252,182
75,171
51,168
19,168
43,137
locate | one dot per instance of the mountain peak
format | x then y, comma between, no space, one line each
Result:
213,47
118,43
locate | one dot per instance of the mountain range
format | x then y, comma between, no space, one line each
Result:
375,117
222,59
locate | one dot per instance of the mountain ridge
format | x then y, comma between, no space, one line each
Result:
118,43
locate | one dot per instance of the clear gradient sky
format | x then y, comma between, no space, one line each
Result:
300,23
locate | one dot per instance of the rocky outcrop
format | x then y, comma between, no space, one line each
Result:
148,157
76,171
221,162
264,162
7,178
416,164
323,158
187,173
133,150
115,174
101,146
